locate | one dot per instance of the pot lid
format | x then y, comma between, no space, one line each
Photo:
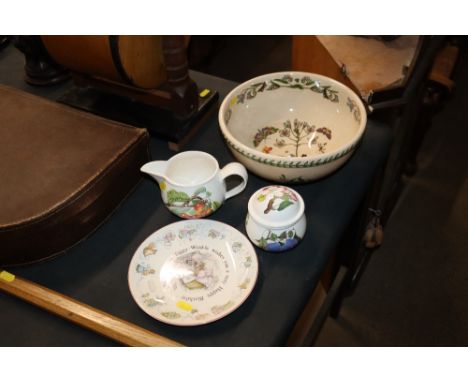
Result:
276,206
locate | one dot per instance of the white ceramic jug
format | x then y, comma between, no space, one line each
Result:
192,184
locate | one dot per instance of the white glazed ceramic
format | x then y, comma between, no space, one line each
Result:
292,126
275,220
193,272
192,184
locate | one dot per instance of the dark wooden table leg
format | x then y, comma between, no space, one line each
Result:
184,97
40,69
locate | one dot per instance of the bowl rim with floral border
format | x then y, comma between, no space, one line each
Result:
338,152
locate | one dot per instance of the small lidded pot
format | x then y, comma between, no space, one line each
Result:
275,220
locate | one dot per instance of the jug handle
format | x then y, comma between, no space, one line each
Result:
234,168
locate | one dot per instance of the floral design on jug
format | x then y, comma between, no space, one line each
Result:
197,205
296,139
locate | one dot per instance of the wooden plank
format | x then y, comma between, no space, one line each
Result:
79,313
309,55
443,66
320,304
314,304
372,63
152,97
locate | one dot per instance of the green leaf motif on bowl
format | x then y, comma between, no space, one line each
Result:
353,108
287,81
227,115
263,133
298,179
292,137
306,163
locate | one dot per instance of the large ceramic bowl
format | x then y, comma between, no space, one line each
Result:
292,126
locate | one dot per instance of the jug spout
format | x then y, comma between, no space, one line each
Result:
157,169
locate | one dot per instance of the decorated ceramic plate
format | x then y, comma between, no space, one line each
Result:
193,272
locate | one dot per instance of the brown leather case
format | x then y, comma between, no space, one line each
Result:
62,172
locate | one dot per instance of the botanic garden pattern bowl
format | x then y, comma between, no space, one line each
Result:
292,126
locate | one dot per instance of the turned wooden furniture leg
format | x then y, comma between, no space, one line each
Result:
39,68
184,94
